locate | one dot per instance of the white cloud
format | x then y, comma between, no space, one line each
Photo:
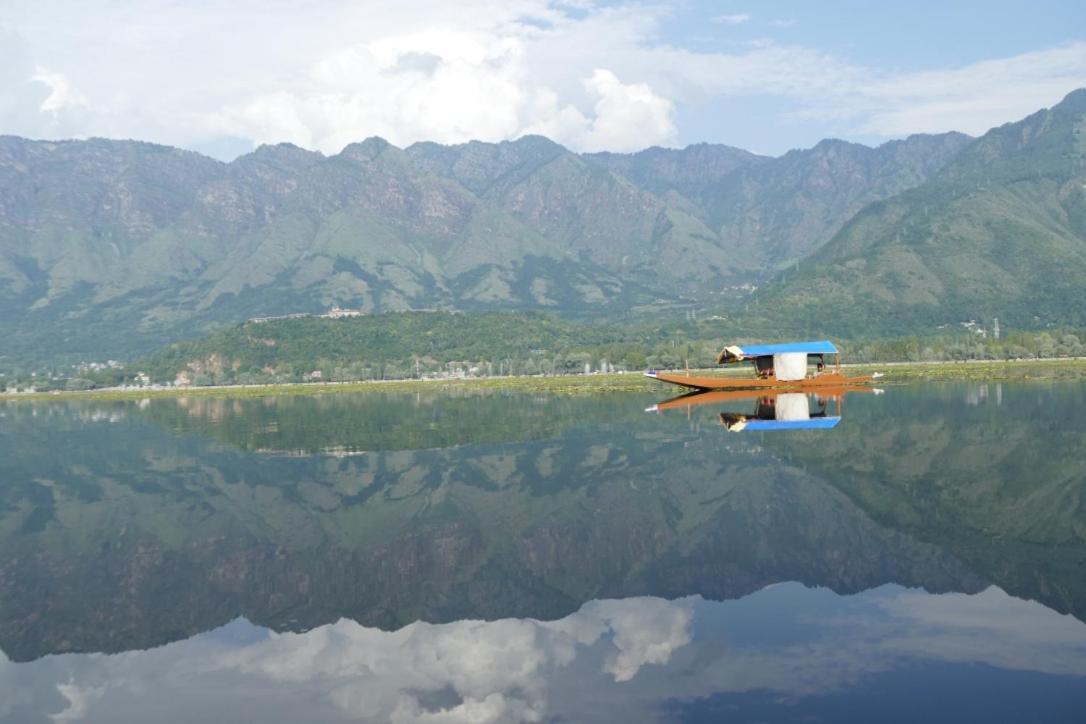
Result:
737,19
625,117
61,94
972,98
448,86
331,73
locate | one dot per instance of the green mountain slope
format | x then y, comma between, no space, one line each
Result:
772,211
112,248
1000,231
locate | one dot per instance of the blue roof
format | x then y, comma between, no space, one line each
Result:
815,423
763,350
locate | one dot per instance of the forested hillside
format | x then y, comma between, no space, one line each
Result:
404,345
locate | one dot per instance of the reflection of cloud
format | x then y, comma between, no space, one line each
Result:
79,700
613,660
991,626
647,631
467,671
495,671
840,649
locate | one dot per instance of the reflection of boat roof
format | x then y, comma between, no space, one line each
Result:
815,423
750,351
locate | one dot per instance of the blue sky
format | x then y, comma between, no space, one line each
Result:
221,77
921,35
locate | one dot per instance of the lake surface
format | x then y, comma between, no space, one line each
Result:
528,557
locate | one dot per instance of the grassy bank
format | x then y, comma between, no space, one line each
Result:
894,373
976,370
560,384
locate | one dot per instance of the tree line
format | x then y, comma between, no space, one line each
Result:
413,345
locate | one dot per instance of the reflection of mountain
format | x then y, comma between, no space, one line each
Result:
133,536
374,421
999,480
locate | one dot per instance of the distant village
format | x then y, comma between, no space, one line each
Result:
977,328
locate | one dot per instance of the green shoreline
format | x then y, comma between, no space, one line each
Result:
893,373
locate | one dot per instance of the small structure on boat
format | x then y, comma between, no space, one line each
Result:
778,366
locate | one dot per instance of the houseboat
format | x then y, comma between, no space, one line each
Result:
792,365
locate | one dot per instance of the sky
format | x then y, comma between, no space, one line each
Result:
222,77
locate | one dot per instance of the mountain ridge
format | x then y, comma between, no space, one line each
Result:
999,232
112,248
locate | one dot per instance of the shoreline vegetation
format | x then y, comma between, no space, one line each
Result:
451,346
894,373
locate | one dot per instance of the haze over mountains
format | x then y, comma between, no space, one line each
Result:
112,248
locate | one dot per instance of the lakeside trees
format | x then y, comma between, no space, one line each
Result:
411,345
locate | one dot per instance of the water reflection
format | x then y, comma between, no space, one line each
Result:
773,410
786,648
335,525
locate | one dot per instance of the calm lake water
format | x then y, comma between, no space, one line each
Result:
526,557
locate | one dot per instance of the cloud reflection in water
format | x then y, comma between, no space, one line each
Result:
612,659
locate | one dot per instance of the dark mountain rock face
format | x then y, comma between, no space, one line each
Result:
115,247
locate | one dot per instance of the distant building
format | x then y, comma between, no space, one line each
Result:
339,313
262,320
976,328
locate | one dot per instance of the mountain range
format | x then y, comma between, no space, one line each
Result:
113,248
999,232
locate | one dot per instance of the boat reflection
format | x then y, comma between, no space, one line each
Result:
771,410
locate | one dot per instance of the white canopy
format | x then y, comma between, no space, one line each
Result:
789,366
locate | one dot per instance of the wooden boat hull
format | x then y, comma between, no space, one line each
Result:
706,382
